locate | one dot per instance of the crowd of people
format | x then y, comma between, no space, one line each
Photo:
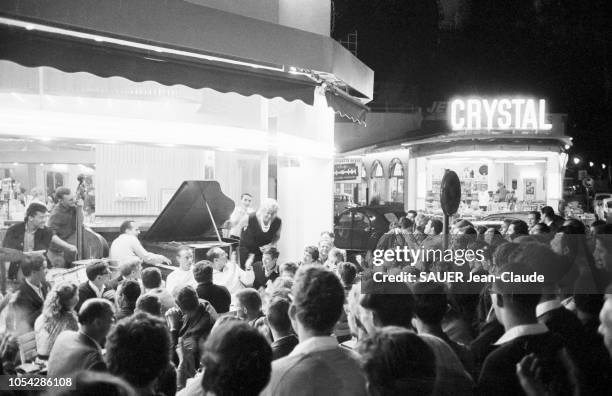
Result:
248,324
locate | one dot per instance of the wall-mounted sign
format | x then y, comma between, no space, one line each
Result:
498,114
345,172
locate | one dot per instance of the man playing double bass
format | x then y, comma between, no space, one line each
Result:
63,222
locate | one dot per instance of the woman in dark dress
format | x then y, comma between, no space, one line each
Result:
263,229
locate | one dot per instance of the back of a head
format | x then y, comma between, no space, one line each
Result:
520,227
138,349
237,361
150,304
347,272
547,211
290,268
250,299
94,383
31,264
430,302
94,308
437,226
203,271
398,362
541,259
151,278
187,299
405,223
278,315
318,297
502,252
391,304
129,291
127,268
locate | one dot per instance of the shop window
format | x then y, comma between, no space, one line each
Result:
54,180
377,180
396,182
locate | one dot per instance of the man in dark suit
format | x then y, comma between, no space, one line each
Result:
266,269
98,275
74,351
280,327
31,295
514,304
218,296
32,235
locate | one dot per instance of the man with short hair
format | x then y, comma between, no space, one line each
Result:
127,248
218,296
266,270
98,275
317,365
75,351
31,295
150,304
288,269
516,229
138,350
280,327
127,294
533,218
189,323
515,308
228,273
552,220
182,276
237,360
32,235
63,221
325,246
240,216
248,305
128,270
152,283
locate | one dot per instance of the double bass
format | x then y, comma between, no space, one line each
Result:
89,244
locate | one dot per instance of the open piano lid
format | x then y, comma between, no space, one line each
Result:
186,218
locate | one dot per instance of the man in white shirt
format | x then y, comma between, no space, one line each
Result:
127,247
238,219
182,276
228,273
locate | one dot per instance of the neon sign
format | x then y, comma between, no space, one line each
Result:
500,114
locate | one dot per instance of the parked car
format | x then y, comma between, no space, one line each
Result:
360,228
342,202
496,219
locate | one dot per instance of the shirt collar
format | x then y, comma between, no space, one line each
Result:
37,289
522,330
94,341
95,288
547,306
315,344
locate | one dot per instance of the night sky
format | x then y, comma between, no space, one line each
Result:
426,50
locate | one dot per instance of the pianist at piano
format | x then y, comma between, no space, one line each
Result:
127,247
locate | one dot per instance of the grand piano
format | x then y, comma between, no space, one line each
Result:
192,218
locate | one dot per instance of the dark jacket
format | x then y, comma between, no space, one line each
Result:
260,275
283,346
27,306
74,351
63,221
254,237
218,296
14,240
498,376
85,293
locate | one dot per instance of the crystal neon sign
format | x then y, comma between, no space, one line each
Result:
498,114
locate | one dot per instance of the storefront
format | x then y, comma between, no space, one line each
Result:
511,161
138,108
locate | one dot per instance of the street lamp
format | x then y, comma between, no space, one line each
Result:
591,164
567,146
603,166
576,160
